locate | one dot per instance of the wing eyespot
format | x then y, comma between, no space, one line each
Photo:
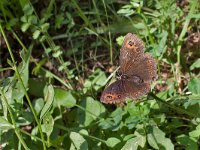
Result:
130,43
110,97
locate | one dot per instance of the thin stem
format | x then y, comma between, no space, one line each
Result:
172,106
184,30
23,87
56,77
13,121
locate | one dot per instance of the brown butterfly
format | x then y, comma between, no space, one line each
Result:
136,72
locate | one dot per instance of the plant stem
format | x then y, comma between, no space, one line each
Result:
172,106
13,121
23,86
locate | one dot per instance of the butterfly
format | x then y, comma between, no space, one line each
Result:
137,71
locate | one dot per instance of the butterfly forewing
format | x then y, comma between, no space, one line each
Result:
131,52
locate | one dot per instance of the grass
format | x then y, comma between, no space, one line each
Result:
57,57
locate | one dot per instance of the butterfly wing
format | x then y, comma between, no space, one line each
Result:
137,70
145,71
115,93
136,90
118,91
131,52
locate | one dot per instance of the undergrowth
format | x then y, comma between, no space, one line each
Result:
56,57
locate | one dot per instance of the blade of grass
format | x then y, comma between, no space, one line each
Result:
109,34
193,5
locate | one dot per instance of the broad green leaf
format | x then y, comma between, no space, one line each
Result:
36,87
28,9
194,86
25,26
38,105
36,34
188,142
49,98
112,141
64,98
96,80
4,124
93,109
195,133
133,143
195,65
132,121
78,142
156,139
24,118
23,68
193,104
48,124
114,121
128,137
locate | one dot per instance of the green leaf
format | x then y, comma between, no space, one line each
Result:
38,105
114,122
36,34
4,124
45,27
194,86
195,65
57,54
48,124
93,109
96,80
188,142
120,40
25,26
156,139
40,84
162,43
24,118
49,98
126,10
64,98
28,9
18,90
133,143
112,141
195,133
78,142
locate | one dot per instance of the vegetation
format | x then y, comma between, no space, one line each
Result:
56,57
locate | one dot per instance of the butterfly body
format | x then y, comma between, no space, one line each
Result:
136,72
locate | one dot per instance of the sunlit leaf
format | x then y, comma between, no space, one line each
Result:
78,142
64,98
92,110
49,98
